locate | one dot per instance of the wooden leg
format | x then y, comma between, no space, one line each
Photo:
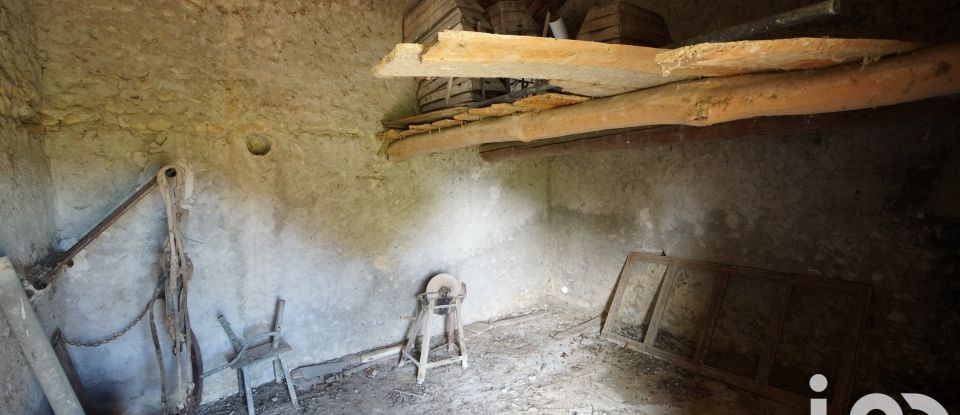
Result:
425,346
460,342
450,328
277,371
290,386
249,392
240,381
411,337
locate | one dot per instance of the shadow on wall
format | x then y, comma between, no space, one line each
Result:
840,205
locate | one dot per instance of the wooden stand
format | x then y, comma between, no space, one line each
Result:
421,327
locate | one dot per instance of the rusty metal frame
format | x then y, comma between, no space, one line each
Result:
759,383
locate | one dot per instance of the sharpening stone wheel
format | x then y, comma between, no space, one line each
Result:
447,282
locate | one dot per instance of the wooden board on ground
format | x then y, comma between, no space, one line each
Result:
734,58
630,321
925,73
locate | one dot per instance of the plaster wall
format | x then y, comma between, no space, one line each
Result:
345,237
26,198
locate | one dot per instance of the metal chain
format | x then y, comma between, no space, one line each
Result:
116,335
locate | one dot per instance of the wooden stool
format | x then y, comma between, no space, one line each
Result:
248,355
443,300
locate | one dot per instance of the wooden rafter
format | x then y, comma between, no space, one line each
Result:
918,75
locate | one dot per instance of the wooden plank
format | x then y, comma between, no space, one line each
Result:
456,100
771,340
784,277
710,320
914,76
496,110
463,88
734,58
577,329
549,101
668,283
758,384
484,55
622,281
933,109
851,353
428,117
460,85
447,123
649,36
466,117
590,89
745,384
70,369
416,26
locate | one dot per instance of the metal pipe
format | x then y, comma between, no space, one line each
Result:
766,24
40,282
36,347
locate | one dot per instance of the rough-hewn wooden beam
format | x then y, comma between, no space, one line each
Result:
914,76
574,62
749,56
931,110
484,55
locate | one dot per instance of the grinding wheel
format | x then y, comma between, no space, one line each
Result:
445,281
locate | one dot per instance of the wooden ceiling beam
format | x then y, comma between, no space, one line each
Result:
573,63
934,109
913,76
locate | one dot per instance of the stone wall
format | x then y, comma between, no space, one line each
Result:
26,201
345,237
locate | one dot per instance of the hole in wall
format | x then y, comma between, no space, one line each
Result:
258,145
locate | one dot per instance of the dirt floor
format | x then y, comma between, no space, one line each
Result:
522,365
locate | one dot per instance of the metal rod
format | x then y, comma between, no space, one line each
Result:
40,282
766,24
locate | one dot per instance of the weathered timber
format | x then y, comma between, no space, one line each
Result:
483,55
424,118
469,54
934,109
914,76
734,58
